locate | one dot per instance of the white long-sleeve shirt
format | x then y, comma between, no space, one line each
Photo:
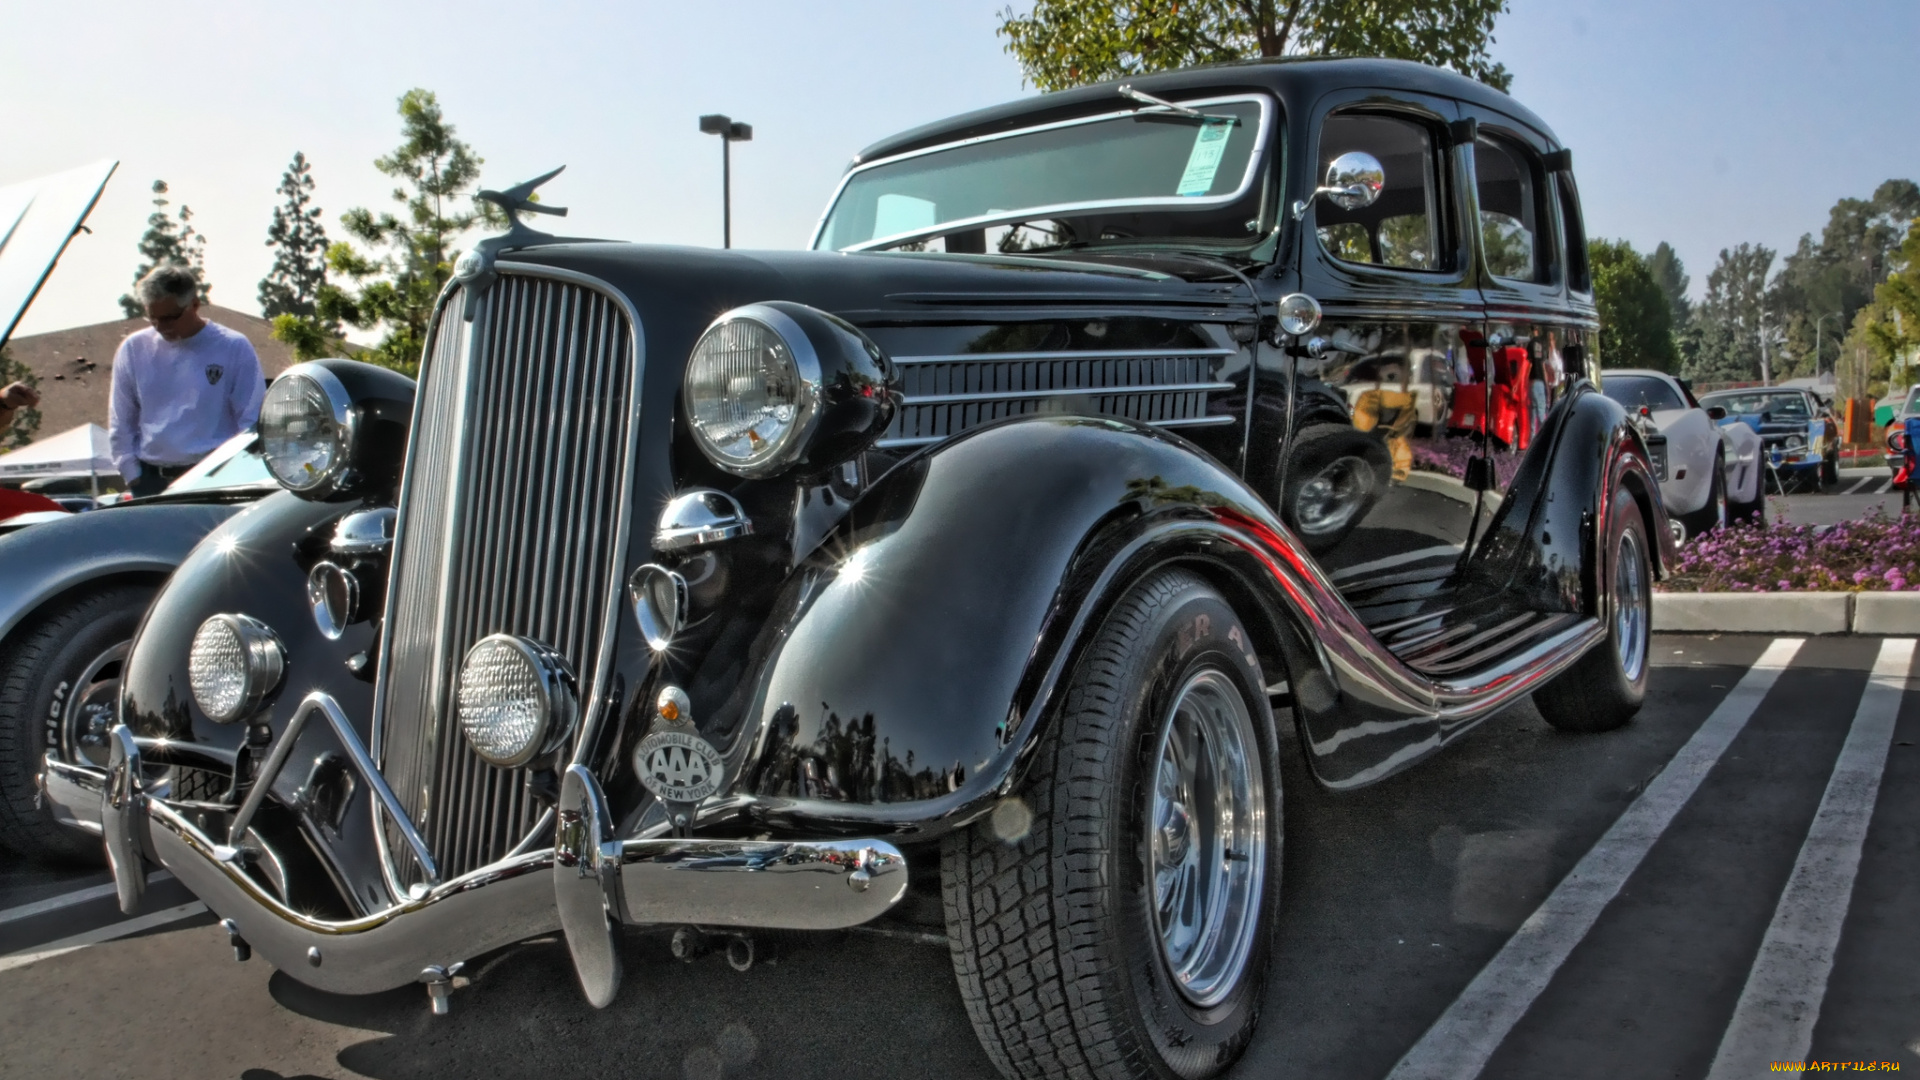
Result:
173,401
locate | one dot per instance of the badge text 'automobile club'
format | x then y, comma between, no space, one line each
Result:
679,766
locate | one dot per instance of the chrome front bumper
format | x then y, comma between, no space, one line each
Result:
588,885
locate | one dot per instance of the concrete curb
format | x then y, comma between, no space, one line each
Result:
1789,613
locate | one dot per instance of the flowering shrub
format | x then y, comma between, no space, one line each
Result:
1875,553
1449,455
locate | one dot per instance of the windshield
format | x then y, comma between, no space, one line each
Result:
1636,391
1139,174
1782,406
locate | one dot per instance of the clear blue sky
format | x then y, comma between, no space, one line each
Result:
1704,123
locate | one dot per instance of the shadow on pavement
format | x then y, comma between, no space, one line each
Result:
828,1006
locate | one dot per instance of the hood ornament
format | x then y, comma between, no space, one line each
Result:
475,268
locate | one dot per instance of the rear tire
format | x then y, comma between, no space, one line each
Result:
1605,688
59,678
1716,513
1137,851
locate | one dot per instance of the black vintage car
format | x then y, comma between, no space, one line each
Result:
992,537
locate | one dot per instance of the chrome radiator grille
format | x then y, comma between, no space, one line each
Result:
946,395
511,522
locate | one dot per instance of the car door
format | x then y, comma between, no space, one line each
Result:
1376,492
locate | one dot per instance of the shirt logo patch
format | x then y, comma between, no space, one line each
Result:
214,371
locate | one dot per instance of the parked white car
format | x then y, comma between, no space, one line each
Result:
1709,474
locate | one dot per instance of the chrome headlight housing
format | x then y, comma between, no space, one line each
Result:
753,390
307,428
515,700
774,385
233,664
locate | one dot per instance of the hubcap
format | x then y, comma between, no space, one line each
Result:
1208,838
88,711
1630,606
1330,499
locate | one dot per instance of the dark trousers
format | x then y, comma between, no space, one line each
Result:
153,479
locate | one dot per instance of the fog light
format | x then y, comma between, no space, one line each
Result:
515,700
234,663
659,600
334,595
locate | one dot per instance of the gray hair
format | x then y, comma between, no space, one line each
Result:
171,282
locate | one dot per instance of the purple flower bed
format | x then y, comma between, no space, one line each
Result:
1874,553
1450,456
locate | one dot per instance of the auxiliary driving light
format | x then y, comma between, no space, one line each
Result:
234,663
515,700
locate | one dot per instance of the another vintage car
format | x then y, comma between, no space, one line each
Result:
1710,472
721,588
72,590
1798,432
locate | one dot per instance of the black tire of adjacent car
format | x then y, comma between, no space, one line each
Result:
40,666
1048,903
1605,688
1339,473
1717,511
1755,511
1830,470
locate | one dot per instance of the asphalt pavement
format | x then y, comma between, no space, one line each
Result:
1859,491
1728,881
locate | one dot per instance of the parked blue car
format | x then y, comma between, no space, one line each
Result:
1798,434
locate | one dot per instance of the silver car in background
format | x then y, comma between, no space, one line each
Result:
1710,474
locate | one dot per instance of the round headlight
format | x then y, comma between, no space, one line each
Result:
306,429
515,700
232,665
752,391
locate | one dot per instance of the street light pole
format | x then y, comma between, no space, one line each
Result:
730,132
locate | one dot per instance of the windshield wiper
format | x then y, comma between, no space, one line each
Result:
1127,90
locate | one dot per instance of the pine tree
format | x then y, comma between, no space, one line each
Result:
167,242
300,247
414,254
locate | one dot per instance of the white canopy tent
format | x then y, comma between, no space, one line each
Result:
80,451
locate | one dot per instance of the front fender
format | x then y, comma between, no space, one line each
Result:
43,561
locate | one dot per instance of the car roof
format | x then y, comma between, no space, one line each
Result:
1297,82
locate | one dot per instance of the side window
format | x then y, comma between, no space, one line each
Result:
1510,211
1401,228
1579,279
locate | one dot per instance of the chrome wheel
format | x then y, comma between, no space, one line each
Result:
1208,838
1330,499
1630,603
86,709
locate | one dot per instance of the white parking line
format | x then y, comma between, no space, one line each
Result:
78,896
1855,489
1459,1044
105,933
1777,1010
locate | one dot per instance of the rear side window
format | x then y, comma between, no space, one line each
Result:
1401,229
1511,211
1579,278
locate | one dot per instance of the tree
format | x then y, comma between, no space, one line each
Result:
1736,330
1065,43
1671,275
167,242
299,241
412,252
1893,334
26,421
1636,318
1822,286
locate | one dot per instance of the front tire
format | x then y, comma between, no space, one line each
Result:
1605,688
59,677
1116,920
1334,476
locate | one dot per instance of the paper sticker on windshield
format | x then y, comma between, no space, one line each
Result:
1209,146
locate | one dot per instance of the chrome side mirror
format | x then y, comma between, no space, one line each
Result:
1715,412
1354,182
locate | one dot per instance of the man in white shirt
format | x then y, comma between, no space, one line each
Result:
180,388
